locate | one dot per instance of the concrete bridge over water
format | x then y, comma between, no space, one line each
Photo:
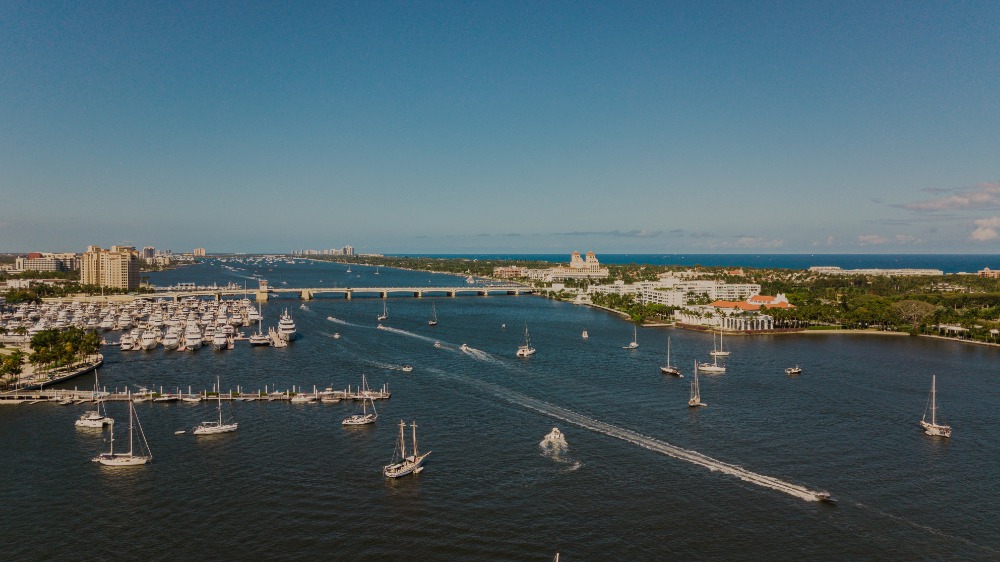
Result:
308,293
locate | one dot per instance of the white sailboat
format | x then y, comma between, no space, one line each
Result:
213,427
933,427
364,417
406,464
434,316
95,418
526,349
385,312
635,340
713,367
695,399
718,351
669,369
131,458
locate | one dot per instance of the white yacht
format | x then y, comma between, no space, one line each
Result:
149,338
286,326
172,339
192,336
403,464
219,339
95,418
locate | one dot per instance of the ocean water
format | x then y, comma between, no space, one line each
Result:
948,263
294,484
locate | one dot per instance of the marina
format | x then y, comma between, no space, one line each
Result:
764,454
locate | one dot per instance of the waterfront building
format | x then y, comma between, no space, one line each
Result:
116,268
199,252
46,261
987,272
148,252
578,268
510,272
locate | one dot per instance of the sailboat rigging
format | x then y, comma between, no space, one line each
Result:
131,458
434,316
635,340
695,399
669,369
213,427
364,417
526,349
412,464
933,427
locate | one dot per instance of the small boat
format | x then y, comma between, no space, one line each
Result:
95,418
385,312
336,335
933,427
796,370
213,427
434,316
437,344
525,350
635,340
585,336
669,369
364,417
404,464
464,347
407,368
695,399
131,458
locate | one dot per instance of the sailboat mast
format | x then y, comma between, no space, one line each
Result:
934,399
414,426
131,412
402,440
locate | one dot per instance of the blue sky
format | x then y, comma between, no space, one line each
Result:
501,126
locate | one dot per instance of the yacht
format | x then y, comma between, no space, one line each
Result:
192,336
149,338
219,339
286,326
172,339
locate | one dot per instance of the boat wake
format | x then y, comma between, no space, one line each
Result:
554,447
305,308
344,322
646,442
407,333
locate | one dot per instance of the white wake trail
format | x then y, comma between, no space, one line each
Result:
650,443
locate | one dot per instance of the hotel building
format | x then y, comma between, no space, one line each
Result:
116,268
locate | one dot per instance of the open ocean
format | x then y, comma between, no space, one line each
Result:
294,484
949,263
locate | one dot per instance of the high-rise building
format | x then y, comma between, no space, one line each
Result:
117,268
199,252
148,252
348,250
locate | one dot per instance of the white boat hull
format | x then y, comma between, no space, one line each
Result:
212,428
122,460
410,466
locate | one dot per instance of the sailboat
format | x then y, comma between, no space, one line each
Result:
526,349
718,352
385,312
407,464
131,458
213,427
933,427
434,316
669,369
364,417
95,418
585,335
635,340
695,399
712,367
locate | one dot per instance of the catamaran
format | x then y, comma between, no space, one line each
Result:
131,458
635,340
213,427
364,417
933,427
695,399
412,464
526,349
669,369
434,316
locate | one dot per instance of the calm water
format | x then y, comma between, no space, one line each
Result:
294,484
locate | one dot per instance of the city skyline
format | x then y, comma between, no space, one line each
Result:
502,127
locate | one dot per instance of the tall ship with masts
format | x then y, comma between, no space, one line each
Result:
403,464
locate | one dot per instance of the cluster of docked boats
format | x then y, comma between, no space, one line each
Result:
184,325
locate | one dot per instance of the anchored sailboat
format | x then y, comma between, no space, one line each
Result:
406,464
95,418
385,312
364,417
933,427
213,427
526,349
669,369
695,399
718,351
131,458
434,316
635,339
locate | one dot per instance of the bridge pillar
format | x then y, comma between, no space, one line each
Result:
347,294
418,294
385,294
452,293
261,296
306,295
218,297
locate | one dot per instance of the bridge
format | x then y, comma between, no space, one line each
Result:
308,293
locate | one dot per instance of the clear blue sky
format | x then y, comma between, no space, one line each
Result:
501,126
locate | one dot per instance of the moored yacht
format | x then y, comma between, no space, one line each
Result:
286,326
